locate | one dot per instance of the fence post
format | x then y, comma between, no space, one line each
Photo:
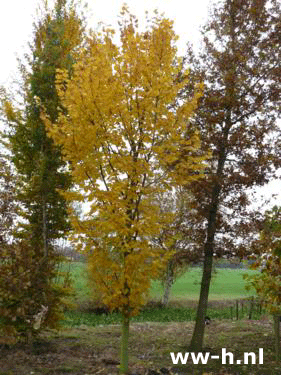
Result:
251,309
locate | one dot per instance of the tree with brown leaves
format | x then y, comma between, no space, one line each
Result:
237,119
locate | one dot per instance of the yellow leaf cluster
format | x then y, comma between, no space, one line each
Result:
124,135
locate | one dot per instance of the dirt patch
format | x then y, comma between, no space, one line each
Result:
95,350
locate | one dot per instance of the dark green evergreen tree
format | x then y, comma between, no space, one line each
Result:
41,173
35,156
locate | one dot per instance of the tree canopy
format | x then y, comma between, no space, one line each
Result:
37,160
125,138
237,118
29,264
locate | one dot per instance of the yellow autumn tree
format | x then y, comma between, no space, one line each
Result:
267,282
126,137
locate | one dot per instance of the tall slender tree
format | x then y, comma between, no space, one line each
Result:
179,234
123,132
56,36
39,165
237,119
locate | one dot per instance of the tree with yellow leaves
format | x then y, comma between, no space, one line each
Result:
126,137
267,282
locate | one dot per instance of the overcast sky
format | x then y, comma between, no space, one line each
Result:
16,18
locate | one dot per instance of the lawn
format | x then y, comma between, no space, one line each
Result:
227,284
227,287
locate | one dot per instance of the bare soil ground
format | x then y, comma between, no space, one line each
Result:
88,350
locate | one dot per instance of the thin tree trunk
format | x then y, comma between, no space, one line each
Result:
168,283
197,339
276,319
44,231
124,345
196,344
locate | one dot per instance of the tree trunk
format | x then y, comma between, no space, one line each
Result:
124,345
276,319
196,344
197,340
44,229
168,283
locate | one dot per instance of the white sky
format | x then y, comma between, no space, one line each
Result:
16,18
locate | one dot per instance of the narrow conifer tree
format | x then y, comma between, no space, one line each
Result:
35,156
38,162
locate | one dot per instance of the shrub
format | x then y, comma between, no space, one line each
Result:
30,297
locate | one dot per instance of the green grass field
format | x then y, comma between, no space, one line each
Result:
226,284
